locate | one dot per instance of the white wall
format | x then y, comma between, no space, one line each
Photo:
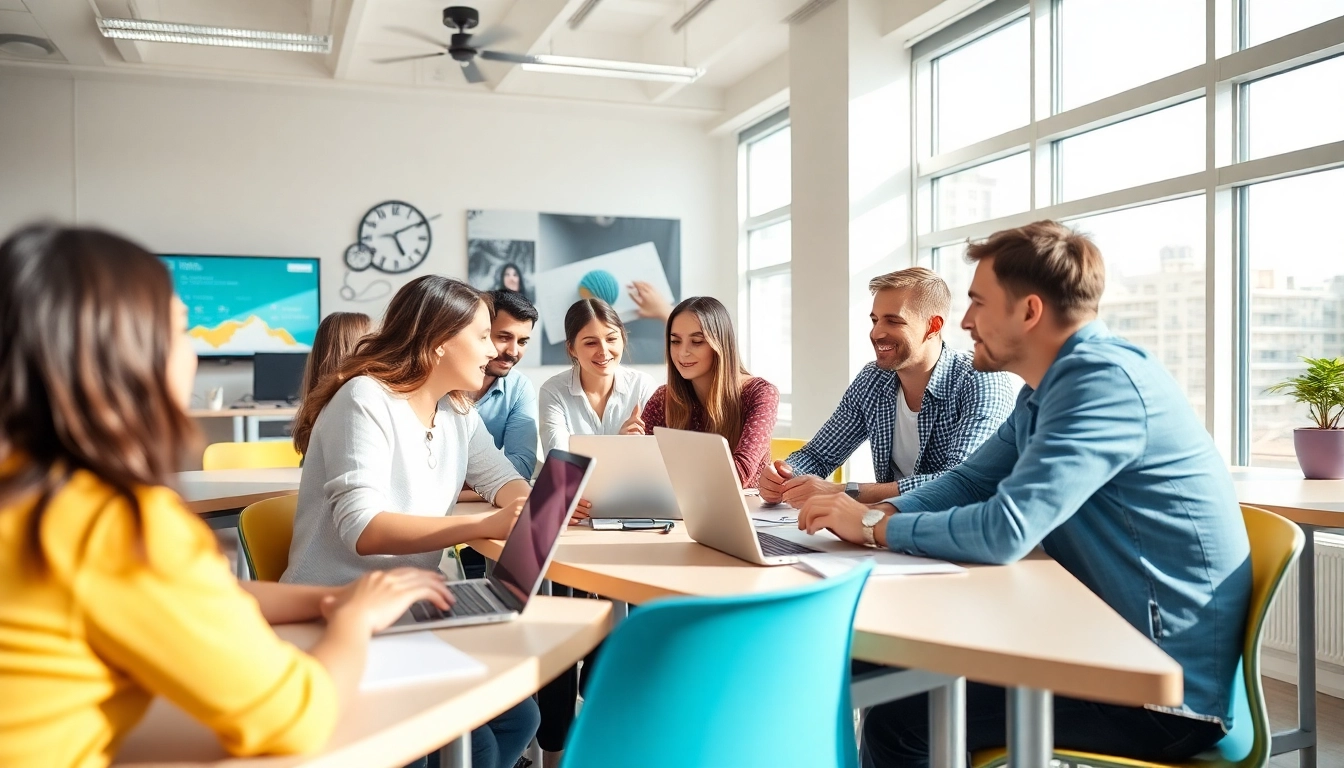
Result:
243,168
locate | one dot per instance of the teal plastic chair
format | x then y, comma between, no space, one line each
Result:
748,680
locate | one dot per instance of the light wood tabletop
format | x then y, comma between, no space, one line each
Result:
393,726
1028,624
1286,492
216,490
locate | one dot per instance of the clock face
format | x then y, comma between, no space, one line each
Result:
397,234
359,257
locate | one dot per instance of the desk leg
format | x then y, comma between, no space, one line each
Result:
457,754
619,612
253,429
1303,738
1031,728
238,434
947,725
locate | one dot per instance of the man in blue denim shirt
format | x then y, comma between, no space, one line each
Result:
1105,465
921,406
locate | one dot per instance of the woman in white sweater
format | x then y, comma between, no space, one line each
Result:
384,460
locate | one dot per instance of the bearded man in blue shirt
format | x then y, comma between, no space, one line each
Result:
1103,464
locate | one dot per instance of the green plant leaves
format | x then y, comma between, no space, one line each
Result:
1321,388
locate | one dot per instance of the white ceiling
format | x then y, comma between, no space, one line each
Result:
730,39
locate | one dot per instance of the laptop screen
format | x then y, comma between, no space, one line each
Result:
520,565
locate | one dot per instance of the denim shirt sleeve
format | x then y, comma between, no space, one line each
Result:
520,431
839,437
1002,502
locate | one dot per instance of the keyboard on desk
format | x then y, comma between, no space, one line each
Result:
470,599
774,546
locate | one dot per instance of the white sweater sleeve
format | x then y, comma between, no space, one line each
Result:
552,417
488,469
355,433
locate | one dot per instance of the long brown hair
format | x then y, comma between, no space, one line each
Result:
85,333
335,340
723,412
425,313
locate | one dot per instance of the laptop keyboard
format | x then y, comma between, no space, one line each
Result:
470,601
774,546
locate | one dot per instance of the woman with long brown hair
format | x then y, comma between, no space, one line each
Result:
389,441
708,389
336,338
99,557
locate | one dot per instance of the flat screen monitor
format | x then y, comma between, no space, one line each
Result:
277,376
240,305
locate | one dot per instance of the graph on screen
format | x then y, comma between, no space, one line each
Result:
240,305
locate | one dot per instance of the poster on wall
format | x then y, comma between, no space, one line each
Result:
556,259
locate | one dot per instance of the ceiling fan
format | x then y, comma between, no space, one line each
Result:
465,47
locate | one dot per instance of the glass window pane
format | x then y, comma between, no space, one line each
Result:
983,87
1155,284
1297,300
768,173
769,246
1156,146
1098,52
1268,19
1297,109
950,264
984,192
771,343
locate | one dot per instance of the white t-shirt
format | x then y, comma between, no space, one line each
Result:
369,454
564,409
905,438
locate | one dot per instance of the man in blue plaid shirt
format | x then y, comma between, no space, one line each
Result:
921,406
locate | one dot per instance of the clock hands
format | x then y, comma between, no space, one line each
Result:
401,250
412,226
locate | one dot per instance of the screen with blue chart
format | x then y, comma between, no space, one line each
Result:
240,305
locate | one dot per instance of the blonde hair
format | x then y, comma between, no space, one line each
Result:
929,294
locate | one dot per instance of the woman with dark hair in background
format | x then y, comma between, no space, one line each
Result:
511,279
708,389
335,340
99,557
389,441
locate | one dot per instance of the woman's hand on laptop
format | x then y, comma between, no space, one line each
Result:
376,599
498,524
582,511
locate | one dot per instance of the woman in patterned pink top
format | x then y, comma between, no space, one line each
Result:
708,390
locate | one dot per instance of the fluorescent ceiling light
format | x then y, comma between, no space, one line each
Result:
196,34
630,70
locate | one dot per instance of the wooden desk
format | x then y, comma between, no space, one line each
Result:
220,490
391,727
245,420
1313,505
1029,626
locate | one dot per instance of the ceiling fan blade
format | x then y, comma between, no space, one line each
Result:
512,58
423,37
473,73
492,36
396,59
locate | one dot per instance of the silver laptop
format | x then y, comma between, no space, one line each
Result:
522,564
710,496
629,479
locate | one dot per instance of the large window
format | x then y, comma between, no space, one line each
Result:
766,236
1207,177
983,88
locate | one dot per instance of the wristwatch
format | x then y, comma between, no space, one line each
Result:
870,519
852,490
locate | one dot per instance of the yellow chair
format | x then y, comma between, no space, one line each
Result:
782,447
265,529
1275,544
269,454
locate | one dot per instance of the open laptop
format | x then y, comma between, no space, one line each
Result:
710,496
522,564
629,479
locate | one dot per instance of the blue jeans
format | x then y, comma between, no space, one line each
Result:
500,742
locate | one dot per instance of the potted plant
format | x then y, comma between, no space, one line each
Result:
1320,449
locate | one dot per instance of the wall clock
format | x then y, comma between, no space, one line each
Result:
394,237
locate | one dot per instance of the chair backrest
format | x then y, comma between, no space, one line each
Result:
757,679
782,447
265,529
1275,544
267,454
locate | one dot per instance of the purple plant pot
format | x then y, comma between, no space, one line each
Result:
1320,452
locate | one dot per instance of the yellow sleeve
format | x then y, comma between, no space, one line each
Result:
177,623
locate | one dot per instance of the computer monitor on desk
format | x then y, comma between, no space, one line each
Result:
277,377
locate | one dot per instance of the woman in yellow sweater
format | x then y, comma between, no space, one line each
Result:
111,592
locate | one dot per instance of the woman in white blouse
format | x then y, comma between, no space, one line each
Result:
384,460
597,395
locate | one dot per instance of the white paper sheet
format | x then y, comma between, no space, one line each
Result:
412,656
835,553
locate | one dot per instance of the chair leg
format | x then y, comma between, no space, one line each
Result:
457,753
